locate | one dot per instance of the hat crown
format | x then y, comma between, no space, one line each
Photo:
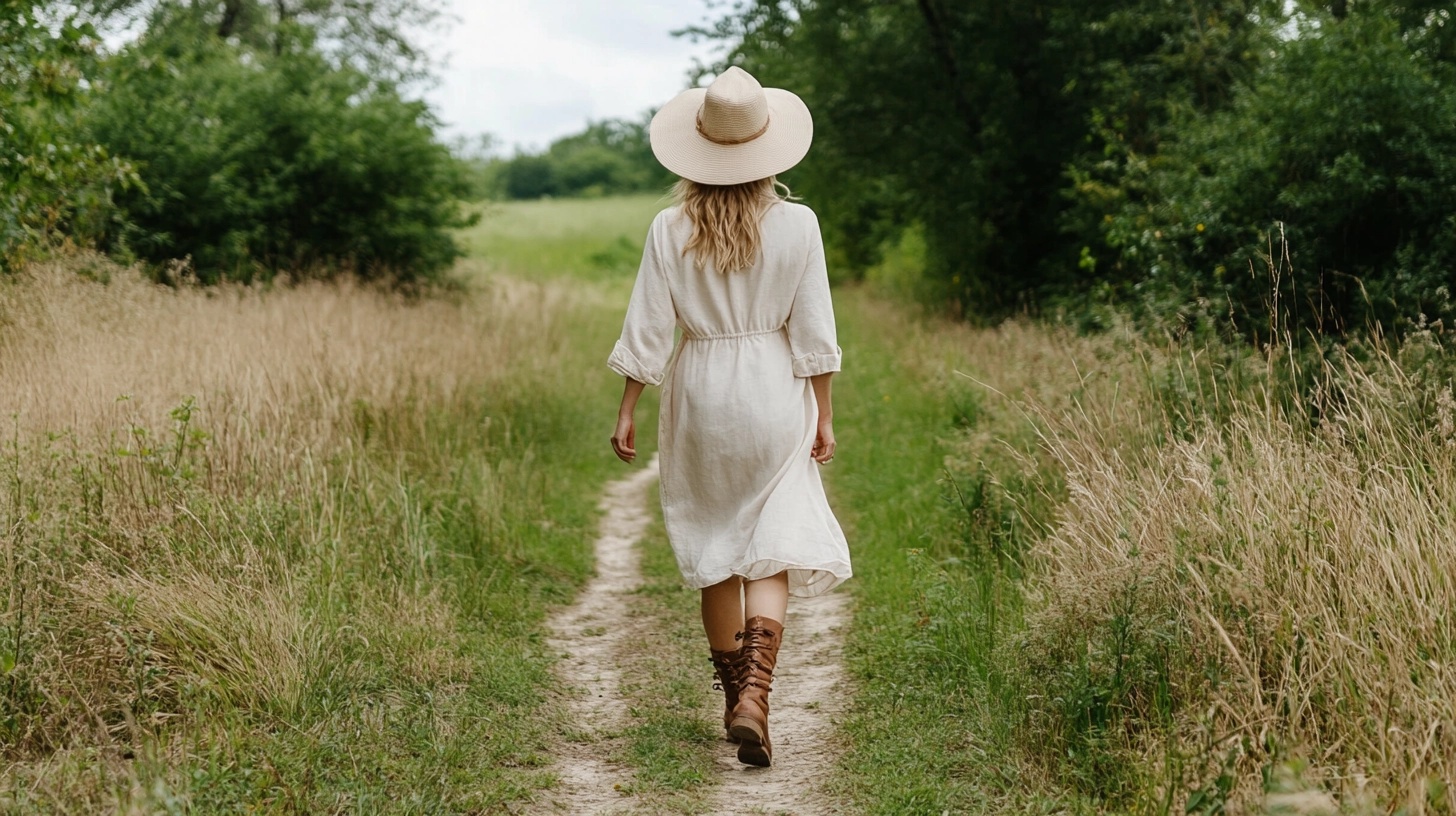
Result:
735,109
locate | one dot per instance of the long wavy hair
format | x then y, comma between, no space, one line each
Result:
726,220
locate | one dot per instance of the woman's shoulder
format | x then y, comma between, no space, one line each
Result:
794,210
795,219
669,218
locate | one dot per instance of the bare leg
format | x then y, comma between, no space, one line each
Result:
767,597
723,614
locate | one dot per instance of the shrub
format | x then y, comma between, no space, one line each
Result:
255,162
1345,145
52,183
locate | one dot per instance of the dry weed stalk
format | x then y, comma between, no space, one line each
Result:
1249,568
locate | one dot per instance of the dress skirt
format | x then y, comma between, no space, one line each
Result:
741,494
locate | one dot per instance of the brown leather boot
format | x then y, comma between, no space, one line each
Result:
749,724
726,667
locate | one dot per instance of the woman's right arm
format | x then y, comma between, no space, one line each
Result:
642,352
823,451
624,439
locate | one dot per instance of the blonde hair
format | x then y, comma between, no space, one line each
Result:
726,220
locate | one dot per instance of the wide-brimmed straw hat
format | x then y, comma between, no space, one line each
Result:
732,132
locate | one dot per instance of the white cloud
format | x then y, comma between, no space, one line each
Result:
530,72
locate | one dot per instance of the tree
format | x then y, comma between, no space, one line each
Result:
966,117
1346,145
376,37
255,162
608,157
52,182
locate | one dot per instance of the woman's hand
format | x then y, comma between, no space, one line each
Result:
823,452
624,441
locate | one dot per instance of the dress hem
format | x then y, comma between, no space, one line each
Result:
823,577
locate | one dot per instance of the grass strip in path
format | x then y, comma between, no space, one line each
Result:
597,640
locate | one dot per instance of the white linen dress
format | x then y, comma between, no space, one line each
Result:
740,493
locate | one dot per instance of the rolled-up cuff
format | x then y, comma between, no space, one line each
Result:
818,362
626,363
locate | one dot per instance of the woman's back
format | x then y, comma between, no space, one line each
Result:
757,299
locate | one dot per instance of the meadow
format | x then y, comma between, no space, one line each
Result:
291,549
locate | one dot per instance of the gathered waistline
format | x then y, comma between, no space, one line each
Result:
733,336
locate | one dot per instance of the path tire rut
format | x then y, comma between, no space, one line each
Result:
589,637
810,693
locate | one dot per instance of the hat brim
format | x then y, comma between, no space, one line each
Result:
677,143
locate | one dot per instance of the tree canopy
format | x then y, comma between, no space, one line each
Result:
608,157
1059,150
242,137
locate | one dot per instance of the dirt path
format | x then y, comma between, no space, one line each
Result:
809,687
590,636
809,694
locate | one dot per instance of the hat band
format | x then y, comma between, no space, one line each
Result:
715,140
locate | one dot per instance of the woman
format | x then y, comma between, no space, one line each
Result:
746,411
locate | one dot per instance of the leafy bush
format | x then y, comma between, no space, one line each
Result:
256,161
51,182
607,158
1346,143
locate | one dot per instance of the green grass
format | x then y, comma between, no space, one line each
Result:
583,239
927,733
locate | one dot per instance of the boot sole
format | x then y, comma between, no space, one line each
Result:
751,750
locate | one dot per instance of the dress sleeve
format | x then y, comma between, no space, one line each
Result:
643,350
812,336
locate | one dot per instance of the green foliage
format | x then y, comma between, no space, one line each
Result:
257,161
52,181
1097,154
965,117
1343,146
376,36
610,157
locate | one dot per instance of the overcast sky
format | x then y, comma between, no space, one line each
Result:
529,71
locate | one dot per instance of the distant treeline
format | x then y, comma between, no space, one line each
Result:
1263,164
241,137
608,158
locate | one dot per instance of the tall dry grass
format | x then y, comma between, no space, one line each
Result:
290,364
1241,595
207,510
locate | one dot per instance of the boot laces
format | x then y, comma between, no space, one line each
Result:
728,670
751,671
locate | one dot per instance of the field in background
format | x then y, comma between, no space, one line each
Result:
597,240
